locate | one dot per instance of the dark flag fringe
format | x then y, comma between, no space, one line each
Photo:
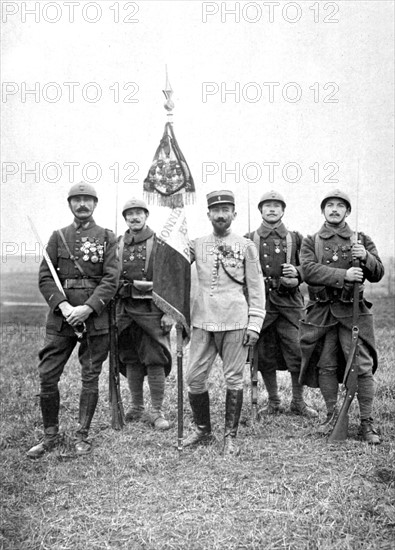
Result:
169,181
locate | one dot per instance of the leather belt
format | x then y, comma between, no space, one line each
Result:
79,283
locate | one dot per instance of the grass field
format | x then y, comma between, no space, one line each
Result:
289,489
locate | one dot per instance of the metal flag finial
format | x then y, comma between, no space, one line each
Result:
168,92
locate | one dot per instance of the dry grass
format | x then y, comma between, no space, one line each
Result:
289,489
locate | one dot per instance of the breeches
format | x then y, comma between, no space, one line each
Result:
202,353
136,347
281,338
92,352
340,337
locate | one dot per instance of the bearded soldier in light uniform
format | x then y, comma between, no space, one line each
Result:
278,346
84,255
224,321
327,262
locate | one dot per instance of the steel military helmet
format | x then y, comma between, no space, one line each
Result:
271,196
82,188
134,203
336,194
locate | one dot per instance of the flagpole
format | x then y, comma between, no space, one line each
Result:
169,106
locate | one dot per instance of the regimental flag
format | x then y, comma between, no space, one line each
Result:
169,181
172,271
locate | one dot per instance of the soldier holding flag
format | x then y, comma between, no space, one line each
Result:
144,342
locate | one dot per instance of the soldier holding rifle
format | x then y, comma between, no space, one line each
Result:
224,321
327,261
278,346
78,280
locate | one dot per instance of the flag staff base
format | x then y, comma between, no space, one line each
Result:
180,386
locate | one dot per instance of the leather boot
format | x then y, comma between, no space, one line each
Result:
274,402
369,432
234,402
200,405
49,403
88,402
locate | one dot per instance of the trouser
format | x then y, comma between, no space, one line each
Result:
92,352
156,380
203,350
340,337
279,343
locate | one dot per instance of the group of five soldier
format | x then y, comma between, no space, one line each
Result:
248,296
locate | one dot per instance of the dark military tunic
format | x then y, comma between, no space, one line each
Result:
325,258
141,338
278,345
94,249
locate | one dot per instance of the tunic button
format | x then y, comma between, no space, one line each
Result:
77,241
267,265
78,232
264,244
265,255
125,272
125,261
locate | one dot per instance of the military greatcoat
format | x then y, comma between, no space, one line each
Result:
325,258
284,305
141,340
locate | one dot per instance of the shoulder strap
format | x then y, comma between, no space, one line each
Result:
230,275
289,247
148,252
318,248
257,241
77,265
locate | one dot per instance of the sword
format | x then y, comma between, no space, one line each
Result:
78,332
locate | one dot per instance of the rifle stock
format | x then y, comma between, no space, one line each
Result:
254,383
350,380
117,412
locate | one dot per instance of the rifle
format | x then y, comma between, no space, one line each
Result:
251,359
252,362
81,328
350,379
117,412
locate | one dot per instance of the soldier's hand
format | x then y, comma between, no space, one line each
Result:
250,338
354,274
358,252
78,315
65,308
289,270
166,323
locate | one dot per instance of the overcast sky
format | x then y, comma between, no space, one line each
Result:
312,98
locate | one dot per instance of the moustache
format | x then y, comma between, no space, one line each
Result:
220,220
83,209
